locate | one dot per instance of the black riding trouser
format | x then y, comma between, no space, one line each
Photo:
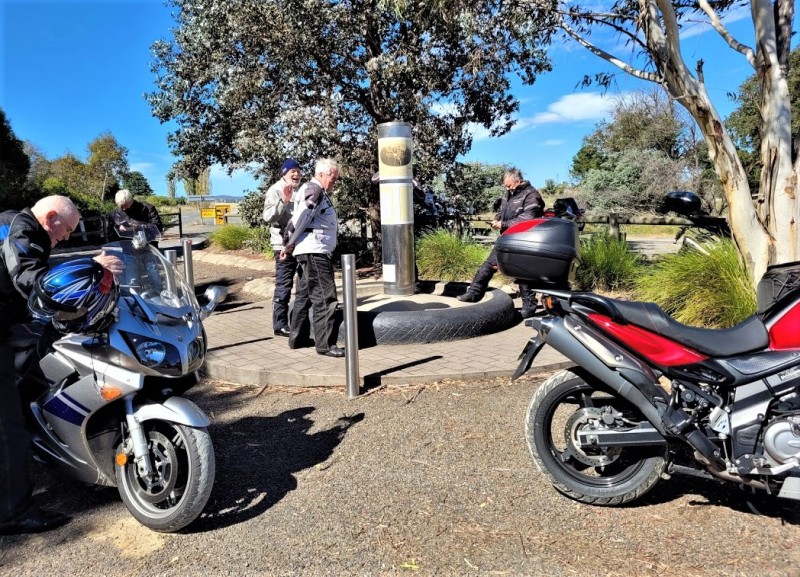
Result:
284,278
15,487
316,290
480,283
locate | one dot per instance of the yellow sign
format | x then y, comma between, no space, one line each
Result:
207,213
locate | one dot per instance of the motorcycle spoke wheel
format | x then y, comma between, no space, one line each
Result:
176,491
563,406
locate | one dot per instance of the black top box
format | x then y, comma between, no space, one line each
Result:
544,252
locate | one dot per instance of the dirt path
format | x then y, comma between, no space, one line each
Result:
429,480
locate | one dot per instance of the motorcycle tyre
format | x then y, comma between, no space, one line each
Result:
198,454
645,474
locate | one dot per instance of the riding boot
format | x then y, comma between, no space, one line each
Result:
529,301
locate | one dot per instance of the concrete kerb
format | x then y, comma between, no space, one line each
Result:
243,350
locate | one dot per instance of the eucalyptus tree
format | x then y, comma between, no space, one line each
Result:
765,231
249,82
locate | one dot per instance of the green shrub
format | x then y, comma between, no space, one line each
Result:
230,237
443,255
711,290
251,207
606,264
258,241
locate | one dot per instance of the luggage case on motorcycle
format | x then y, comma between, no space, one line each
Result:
780,281
543,252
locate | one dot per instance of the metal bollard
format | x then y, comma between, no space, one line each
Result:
172,256
188,267
350,325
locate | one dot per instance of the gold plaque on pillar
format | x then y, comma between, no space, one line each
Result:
394,157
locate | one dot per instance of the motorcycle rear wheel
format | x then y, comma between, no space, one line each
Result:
183,460
564,404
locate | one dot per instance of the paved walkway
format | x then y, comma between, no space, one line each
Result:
242,349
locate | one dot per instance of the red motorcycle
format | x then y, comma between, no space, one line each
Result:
648,396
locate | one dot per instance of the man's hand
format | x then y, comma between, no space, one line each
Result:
286,193
111,262
287,250
496,224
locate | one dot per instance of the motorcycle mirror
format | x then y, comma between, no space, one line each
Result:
215,295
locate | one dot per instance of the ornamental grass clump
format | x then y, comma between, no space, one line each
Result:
710,289
606,264
444,255
230,237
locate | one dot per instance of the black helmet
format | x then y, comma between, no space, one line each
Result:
76,296
681,201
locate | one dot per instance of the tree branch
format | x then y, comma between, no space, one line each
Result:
624,66
732,42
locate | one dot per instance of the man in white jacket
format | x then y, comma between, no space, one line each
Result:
278,208
311,238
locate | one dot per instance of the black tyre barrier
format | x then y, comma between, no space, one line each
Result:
494,313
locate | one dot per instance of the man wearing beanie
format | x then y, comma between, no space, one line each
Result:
278,208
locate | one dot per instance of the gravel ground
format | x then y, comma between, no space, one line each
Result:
429,480
426,480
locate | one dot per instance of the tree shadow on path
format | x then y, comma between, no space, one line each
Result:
257,458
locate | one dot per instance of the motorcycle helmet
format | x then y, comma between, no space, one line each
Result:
76,296
683,202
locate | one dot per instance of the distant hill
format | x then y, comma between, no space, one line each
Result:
214,198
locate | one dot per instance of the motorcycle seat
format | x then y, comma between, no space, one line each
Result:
749,335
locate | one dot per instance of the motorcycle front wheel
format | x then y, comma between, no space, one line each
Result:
566,404
183,475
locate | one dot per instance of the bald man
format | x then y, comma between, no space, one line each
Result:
27,237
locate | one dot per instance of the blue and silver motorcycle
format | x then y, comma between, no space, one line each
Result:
105,405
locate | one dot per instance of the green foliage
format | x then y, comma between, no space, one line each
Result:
159,201
443,255
14,166
477,184
589,157
711,290
633,178
105,166
251,207
246,87
645,150
137,183
230,237
606,264
258,241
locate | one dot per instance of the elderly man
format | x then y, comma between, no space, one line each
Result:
520,202
27,237
311,238
279,203
130,209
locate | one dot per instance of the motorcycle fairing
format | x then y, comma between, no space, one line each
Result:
784,329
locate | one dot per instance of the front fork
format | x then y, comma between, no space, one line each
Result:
137,438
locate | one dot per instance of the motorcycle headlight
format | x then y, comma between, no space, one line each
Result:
155,354
151,353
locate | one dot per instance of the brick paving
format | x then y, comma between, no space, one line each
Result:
243,349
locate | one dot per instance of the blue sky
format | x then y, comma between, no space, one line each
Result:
73,70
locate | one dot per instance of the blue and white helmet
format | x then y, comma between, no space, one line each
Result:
76,296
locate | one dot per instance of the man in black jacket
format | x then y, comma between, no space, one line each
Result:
26,238
130,209
520,202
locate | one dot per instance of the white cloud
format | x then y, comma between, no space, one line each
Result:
553,142
141,166
575,107
696,27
